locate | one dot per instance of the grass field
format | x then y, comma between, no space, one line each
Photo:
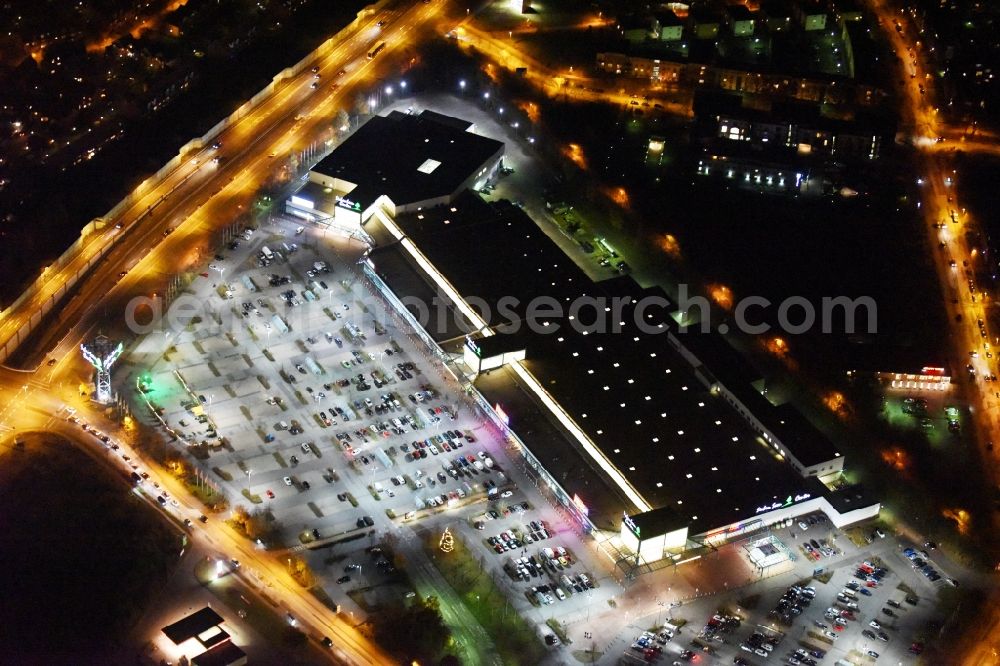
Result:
516,641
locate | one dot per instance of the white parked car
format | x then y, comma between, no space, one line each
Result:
288,480
507,493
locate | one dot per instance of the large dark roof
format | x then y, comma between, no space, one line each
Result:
383,157
636,397
850,498
192,625
222,654
724,364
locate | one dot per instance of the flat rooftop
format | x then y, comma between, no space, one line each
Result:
634,396
409,158
808,445
409,285
193,625
222,654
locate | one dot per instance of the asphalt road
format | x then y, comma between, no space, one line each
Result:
199,193
190,200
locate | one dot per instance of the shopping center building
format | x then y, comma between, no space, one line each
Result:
392,165
657,437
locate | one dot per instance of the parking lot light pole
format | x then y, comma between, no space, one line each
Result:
249,471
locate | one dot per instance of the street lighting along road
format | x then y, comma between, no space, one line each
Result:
268,128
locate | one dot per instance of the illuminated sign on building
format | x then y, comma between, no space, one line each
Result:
473,347
790,500
629,523
578,503
344,202
502,414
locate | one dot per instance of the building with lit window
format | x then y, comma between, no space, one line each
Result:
797,125
775,170
927,378
652,434
395,164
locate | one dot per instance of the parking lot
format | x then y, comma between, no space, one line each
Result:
298,393
866,605
310,399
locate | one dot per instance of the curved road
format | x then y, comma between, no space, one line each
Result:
198,191
190,199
